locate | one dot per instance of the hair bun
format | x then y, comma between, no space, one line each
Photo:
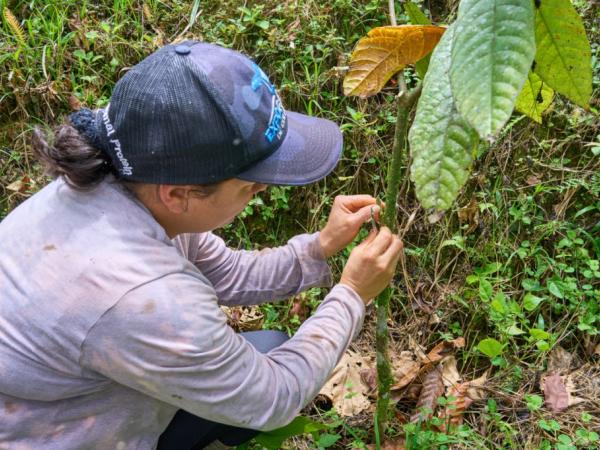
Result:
84,121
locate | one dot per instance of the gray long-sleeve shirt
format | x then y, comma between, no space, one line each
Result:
107,326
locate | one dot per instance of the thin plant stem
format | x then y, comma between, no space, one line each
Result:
384,371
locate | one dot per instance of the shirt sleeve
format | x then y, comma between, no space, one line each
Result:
252,277
169,340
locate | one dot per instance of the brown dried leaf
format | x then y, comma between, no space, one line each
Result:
385,51
450,375
404,369
474,390
559,360
469,214
244,318
74,103
457,405
532,180
443,349
299,308
369,378
555,392
433,388
345,388
20,185
461,396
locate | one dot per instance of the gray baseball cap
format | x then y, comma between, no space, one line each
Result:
198,113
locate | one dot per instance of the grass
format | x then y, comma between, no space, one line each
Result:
519,266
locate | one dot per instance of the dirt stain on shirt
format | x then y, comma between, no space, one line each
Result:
149,307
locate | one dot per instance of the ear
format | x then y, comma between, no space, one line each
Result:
174,197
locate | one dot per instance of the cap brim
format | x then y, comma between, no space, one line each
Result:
310,151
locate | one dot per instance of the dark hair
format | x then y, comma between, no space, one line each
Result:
83,166
72,157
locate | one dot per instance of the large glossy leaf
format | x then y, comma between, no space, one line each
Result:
493,49
385,51
441,141
563,58
535,97
417,17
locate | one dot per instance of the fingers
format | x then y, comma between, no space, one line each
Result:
364,214
393,252
355,202
382,241
370,238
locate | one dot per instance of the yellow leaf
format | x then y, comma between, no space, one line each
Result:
385,51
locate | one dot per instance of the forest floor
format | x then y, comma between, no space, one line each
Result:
515,260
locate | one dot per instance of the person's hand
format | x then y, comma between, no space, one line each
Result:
347,215
372,264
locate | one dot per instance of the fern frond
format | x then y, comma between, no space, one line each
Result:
14,25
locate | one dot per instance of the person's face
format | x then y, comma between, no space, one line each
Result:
222,206
182,209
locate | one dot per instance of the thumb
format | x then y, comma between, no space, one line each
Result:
364,214
370,237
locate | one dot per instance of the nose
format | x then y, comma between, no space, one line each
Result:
259,187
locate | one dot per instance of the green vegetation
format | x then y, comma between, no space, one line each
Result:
513,267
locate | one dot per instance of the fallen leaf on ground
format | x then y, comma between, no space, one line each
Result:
417,349
532,180
20,185
443,349
555,392
558,391
474,388
369,378
345,388
299,308
460,396
559,360
433,388
459,401
469,214
450,375
244,318
404,369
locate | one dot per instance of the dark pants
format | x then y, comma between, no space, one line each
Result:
187,431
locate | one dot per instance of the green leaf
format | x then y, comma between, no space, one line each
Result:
534,402
531,302
535,98
415,15
327,440
490,347
514,330
300,425
485,290
536,333
493,49
554,289
499,303
563,58
441,142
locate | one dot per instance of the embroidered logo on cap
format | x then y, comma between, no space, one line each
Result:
115,143
278,118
